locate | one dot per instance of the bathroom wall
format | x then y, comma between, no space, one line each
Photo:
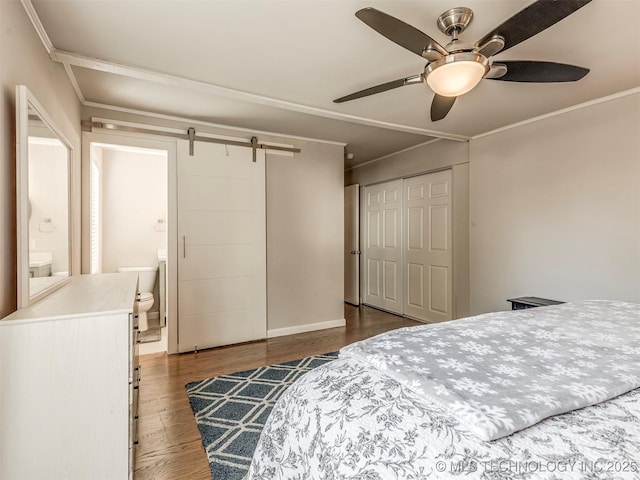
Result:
49,201
24,61
134,198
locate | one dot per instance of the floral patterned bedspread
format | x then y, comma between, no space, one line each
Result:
349,420
502,372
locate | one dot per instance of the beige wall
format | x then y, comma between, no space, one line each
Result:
431,157
133,178
555,208
305,236
23,60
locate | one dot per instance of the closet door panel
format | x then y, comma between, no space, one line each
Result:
391,280
427,253
439,289
383,246
415,286
374,229
390,228
439,231
373,277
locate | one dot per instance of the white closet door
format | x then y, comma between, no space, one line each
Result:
221,246
428,258
383,246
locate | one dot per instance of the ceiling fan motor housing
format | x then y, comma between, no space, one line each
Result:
455,20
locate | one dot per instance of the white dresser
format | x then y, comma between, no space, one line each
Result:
69,378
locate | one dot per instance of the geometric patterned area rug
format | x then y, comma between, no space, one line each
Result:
231,411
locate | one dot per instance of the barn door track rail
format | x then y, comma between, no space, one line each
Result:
191,136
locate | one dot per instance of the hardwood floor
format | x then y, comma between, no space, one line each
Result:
169,440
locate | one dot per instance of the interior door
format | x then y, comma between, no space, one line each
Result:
352,244
383,246
428,257
221,246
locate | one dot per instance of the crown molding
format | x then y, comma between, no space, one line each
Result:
74,82
389,155
562,111
73,59
37,24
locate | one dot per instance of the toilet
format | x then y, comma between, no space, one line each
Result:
144,299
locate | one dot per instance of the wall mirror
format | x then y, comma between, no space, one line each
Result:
43,157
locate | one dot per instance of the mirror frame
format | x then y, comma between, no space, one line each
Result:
24,100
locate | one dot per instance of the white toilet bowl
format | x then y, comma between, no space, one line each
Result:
144,299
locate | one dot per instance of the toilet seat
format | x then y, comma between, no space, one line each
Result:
143,296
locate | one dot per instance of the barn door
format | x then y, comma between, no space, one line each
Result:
221,246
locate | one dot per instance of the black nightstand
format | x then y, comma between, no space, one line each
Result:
521,303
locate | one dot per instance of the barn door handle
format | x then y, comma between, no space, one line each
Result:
184,246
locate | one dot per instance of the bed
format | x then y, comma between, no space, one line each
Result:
550,392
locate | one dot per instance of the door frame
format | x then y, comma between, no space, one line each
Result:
140,141
354,216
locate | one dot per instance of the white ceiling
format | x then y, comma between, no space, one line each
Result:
276,65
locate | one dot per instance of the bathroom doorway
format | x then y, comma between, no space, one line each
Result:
127,216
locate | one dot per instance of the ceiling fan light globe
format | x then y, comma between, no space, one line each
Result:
456,74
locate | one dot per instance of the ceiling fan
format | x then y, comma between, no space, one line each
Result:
456,68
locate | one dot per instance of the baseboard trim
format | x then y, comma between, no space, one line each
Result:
309,327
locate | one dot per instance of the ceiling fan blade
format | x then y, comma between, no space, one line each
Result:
540,72
535,18
401,33
440,106
383,87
